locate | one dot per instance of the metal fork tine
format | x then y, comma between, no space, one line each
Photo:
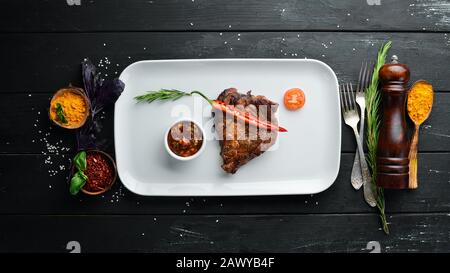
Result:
341,93
367,80
349,97
353,97
360,78
364,78
346,101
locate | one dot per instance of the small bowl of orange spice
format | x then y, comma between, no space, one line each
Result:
69,107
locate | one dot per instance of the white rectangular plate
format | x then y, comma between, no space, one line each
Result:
304,160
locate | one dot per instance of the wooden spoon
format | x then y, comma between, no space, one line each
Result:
415,140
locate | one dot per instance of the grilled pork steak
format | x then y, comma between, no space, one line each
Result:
241,142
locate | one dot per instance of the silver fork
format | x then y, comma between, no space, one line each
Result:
351,118
363,83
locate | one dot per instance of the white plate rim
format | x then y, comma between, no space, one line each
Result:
325,65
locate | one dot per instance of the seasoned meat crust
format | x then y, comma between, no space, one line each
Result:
239,141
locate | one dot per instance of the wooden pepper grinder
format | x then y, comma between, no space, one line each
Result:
393,142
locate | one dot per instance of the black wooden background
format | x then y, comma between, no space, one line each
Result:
43,42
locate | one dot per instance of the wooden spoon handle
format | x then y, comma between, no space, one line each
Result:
413,160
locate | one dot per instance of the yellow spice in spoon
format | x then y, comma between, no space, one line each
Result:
420,101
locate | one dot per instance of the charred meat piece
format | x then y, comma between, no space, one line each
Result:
241,142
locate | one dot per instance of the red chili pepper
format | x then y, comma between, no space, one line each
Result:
173,94
245,116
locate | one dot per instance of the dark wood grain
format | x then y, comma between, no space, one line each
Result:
157,15
43,43
46,62
26,128
34,184
224,233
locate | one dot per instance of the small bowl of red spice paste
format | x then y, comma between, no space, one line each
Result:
101,172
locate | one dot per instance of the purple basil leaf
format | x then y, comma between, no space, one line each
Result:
108,93
90,78
86,137
100,93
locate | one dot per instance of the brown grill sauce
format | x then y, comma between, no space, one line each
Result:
185,138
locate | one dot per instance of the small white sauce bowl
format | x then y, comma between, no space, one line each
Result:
182,158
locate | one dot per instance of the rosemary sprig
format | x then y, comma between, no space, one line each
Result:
167,94
60,113
373,99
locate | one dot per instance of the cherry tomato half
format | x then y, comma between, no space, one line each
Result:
294,99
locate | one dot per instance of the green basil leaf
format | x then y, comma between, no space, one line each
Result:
76,183
80,161
60,113
80,173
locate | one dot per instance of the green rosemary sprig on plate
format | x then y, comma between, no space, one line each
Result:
167,94
373,99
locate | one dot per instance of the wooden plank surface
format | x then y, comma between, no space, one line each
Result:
191,15
42,188
46,62
27,129
43,43
224,233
